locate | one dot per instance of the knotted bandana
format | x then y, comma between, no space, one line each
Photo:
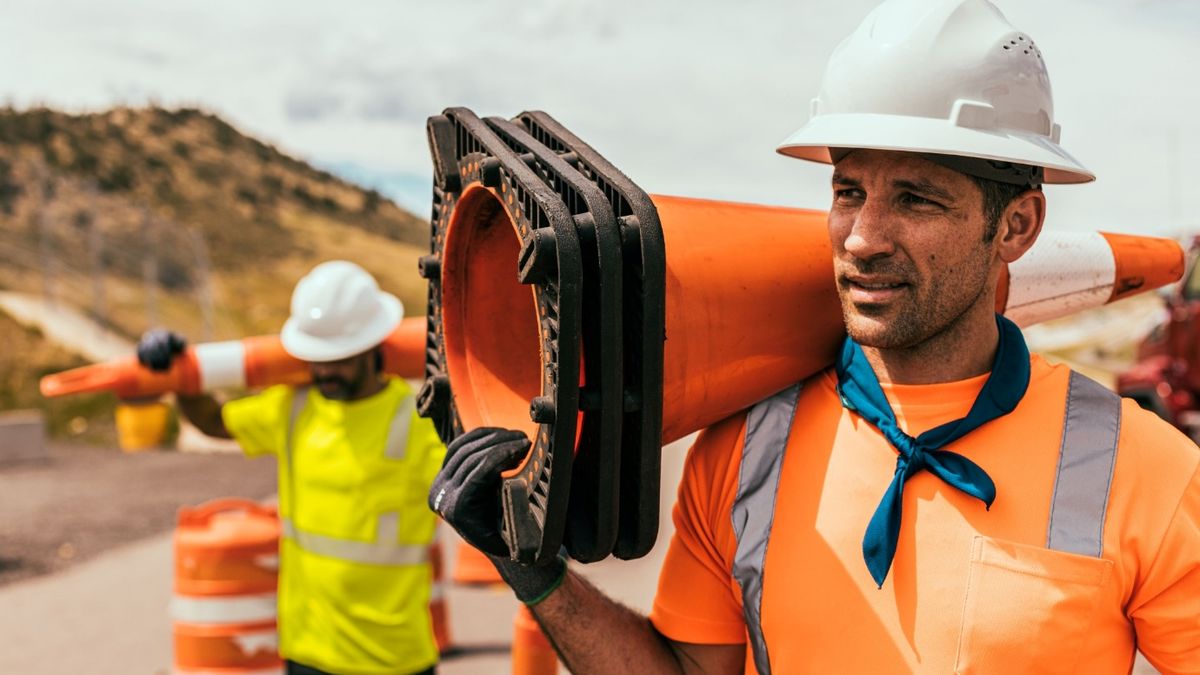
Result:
860,392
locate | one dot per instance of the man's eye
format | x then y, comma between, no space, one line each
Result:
910,199
847,195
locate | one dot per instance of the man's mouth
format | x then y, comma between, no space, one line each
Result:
871,291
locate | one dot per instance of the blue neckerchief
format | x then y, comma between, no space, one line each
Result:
860,392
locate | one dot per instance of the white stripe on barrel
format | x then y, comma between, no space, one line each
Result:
222,364
1063,273
223,609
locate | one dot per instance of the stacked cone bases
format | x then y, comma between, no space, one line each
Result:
258,361
718,306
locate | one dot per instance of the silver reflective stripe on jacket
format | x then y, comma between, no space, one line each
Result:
1085,468
767,426
1087,455
385,549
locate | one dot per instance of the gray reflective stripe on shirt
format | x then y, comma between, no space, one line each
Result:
1087,456
397,439
1086,459
383,551
768,424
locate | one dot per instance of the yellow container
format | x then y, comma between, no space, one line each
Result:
142,425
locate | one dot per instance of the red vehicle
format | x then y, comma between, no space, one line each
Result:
1166,377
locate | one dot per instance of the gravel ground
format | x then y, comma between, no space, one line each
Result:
85,500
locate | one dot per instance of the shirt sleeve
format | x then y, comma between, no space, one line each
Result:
259,423
1166,608
697,600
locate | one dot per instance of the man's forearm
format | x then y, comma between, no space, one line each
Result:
594,634
204,412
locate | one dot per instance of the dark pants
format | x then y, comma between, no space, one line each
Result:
294,668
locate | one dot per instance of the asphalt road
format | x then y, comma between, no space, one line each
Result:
87,500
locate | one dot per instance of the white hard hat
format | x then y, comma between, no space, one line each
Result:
943,77
338,311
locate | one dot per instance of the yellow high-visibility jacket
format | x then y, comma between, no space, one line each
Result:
355,576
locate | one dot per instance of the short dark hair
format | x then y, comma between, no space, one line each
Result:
996,197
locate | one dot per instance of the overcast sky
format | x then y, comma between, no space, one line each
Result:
686,98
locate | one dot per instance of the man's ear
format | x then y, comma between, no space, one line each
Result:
1020,224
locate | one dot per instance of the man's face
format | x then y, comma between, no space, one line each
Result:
343,380
909,253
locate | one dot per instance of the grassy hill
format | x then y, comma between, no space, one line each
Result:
26,357
174,218
145,200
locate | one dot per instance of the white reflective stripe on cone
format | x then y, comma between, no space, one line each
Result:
222,364
223,609
1063,273
437,591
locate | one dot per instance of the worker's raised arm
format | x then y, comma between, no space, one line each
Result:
204,412
591,632
156,350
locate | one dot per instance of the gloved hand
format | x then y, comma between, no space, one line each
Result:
159,347
466,494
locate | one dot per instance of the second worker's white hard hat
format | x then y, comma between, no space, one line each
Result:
943,77
338,310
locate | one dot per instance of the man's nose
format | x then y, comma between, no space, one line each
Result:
871,231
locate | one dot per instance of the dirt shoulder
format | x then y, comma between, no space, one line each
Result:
86,500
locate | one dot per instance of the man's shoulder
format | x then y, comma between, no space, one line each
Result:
272,396
1159,447
721,443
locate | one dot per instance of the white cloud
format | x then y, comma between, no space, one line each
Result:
687,98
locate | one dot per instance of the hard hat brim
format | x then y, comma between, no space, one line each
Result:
921,134
313,349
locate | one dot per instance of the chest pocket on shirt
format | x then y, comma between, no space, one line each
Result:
1027,607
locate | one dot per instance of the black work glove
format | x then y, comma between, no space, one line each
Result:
466,494
159,347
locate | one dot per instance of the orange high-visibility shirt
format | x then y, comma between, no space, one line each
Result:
971,590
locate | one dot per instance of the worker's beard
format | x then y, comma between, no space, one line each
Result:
338,388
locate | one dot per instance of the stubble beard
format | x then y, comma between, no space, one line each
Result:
925,313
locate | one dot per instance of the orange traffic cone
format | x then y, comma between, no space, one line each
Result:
740,328
226,561
472,567
531,651
251,362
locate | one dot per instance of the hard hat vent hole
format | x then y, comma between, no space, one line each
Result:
1022,43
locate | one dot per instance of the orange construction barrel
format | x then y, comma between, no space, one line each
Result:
223,609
